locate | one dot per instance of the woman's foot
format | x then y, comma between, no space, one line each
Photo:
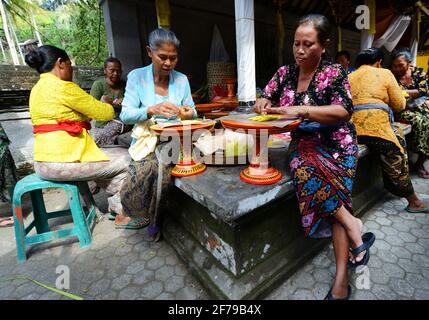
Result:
339,292
422,173
419,167
417,205
126,222
360,256
6,222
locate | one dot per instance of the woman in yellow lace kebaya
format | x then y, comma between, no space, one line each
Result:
60,113
376,95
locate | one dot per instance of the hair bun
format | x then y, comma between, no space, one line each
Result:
34,59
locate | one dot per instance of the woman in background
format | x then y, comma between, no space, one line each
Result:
413,80
376,95
109,90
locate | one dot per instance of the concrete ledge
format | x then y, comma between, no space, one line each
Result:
255,284
221,191
19,130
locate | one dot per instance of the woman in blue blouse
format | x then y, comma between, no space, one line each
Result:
156,90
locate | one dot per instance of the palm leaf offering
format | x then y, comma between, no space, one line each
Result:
189,122
178,122
267,117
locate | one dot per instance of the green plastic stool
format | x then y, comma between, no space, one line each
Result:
82,222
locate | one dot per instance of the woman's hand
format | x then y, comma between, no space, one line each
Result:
166,109
106,99
117,101
186,113
413,93
261,105
293,111
331,114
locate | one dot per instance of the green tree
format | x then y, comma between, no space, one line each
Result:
72,25
10,11
89,45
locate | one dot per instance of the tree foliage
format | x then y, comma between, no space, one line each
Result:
53,5
73,25
89,45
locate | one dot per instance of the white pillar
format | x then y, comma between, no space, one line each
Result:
366,39
414,43
245,38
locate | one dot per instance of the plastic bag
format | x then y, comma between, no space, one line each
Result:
233,144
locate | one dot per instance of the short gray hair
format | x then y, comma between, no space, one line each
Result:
402,52
161,36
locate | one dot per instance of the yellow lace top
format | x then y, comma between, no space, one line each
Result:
370,85
53,99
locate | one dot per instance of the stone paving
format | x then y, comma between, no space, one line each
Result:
122,264
399,264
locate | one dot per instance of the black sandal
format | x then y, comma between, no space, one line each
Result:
329,296
368,240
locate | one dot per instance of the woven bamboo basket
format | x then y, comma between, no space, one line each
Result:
217,72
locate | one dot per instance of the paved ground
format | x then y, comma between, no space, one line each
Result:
124,265
399,264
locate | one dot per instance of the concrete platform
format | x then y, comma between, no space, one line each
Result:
19,130
249,236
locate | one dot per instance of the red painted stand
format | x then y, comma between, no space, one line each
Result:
259,170
186,165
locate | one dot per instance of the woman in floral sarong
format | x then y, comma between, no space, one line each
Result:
413,80
323,151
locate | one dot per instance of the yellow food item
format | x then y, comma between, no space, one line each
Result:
267,117
188,122
405,93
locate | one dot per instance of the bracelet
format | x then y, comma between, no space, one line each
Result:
306,115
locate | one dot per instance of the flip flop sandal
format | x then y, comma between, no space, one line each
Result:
6,222
368,240
329,296
111,216
134,224
425,210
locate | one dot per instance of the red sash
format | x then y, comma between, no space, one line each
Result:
73,128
